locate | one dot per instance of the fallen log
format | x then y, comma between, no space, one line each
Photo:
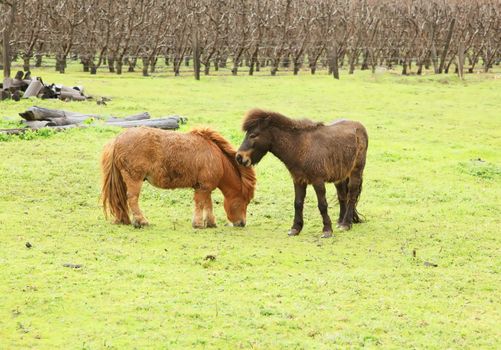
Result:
59,117
18,84
36,124
18,131
22,82
71,95
168,123
37,118
39,113
5,94
141,116
7,83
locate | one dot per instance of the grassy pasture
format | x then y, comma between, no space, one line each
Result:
431,194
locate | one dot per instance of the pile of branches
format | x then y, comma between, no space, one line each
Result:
24,86
36,118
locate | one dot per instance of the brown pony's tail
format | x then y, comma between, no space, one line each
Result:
114,191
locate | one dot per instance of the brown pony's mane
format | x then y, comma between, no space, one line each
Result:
247,174
255,116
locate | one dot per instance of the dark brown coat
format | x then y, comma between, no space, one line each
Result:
314,153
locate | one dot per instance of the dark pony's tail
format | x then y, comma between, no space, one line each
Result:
362,145
114,191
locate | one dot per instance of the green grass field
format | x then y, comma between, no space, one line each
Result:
431,194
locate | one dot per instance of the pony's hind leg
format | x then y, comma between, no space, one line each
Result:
203,216
133,191
354,189
342,196
322,207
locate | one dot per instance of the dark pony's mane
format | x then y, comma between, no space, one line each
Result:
255,116
247,174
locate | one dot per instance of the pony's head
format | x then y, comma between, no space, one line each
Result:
236,209
257,140
238,182
238,192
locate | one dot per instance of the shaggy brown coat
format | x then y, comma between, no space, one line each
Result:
201,159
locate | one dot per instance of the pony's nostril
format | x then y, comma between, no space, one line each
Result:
239,158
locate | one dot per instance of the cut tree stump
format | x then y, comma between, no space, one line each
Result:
33,89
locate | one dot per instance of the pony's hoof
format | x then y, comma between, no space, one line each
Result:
211,225
293,232
327,234
342,227
140,224
197,225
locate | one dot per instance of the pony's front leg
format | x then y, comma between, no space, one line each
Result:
133,191
202,215
208,215
300,193
322,207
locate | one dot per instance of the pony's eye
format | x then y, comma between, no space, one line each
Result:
252,136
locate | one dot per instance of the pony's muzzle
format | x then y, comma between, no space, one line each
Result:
243,158
239,224
236,224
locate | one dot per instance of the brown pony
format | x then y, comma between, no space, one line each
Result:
314,153
201,159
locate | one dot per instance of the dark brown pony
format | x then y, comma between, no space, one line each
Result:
314,153
201,159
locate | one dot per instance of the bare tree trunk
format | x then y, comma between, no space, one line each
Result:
446,48
38,60
111,64
404,67
253,61
146,64
177,64
334,62
60,63
6,40
153,64
365,62
86,63
297,67
119,65
26,63
420,68
434,58
132,64
196,54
